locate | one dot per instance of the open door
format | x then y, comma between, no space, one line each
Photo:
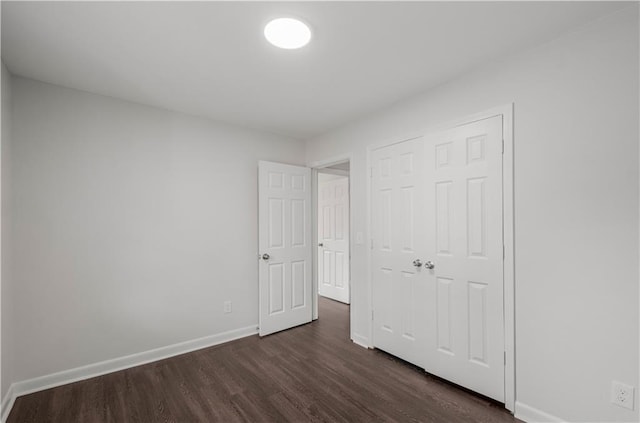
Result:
333,237
284,239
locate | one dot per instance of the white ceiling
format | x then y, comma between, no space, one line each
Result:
210,58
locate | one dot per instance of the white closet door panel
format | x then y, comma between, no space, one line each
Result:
465,326
398,285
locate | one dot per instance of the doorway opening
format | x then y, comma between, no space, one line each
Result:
331,229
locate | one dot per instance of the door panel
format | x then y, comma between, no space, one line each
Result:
285,236
465,332
398,285
333,237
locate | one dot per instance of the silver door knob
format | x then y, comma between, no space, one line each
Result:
321,245
266,256
429,265
417,263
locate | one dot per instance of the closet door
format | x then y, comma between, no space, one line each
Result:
399,288
437,259
464,298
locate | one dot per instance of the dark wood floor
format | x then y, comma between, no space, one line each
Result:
311,373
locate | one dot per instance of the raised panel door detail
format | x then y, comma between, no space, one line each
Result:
443,155
443,314
385,224
386,291
476,217
340,268
276,180
477,313
276,223
298,223
406,163
297,182
276,288
329,272
408,315
339,222
385,167
443,217
326,193
298,284
327,220
475,149
407,230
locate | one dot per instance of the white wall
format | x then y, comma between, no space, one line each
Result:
326,177
576,208
6,291
132,225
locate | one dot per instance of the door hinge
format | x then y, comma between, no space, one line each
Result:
371,172
505,358
372,315
503,146
504,254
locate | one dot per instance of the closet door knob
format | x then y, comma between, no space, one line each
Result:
429,265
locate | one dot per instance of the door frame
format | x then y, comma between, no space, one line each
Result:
315,167
506,111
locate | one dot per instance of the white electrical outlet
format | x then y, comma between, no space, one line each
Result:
622,394
227,306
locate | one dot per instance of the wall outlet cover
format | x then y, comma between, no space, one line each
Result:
622,394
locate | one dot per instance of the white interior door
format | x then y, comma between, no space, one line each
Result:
333,237
465,299
398,210
284,220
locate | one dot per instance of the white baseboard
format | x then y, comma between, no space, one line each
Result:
7,403
109,366
533,415
363,341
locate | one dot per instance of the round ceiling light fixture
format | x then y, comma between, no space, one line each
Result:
287,33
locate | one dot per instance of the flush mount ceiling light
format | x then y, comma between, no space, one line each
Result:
287,33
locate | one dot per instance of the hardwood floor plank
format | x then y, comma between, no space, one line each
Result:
312,373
